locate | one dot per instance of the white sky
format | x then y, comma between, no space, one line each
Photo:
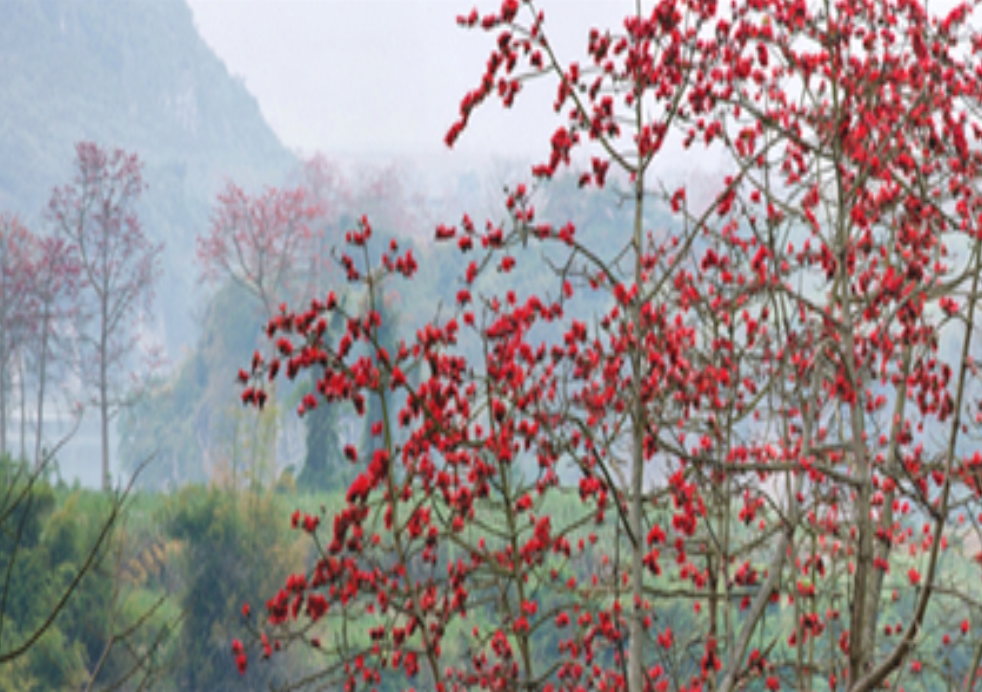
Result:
385,77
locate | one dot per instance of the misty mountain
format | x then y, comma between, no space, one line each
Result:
135,75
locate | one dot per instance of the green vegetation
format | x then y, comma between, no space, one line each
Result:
72,626
193,558
233,547
163,599
195,408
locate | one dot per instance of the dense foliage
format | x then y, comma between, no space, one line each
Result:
162,597
63,608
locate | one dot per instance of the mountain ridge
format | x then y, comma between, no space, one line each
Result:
134,75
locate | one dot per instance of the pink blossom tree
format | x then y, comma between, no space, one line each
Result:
261,243
327,189
16,243
96,216
54,291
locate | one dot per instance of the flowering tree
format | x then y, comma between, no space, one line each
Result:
327,190
16,246
54,289
96,216
266,245
261,243
754,467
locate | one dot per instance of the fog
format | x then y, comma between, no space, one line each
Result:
369,84
384,78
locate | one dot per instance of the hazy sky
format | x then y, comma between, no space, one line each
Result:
384,77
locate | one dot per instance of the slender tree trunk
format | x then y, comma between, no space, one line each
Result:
103,401
104,414
42,376
635,680
3,406
23,411
882,549
3,365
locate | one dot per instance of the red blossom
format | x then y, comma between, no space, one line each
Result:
756,384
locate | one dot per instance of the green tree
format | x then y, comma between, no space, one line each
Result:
324,465
65,621
235,546
183,418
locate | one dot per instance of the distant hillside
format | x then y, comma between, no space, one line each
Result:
135,75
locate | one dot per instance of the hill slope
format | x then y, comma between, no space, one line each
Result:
135,75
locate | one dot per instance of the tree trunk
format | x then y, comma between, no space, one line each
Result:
23,411
42,375
104,414
635,680
104,402
3,407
